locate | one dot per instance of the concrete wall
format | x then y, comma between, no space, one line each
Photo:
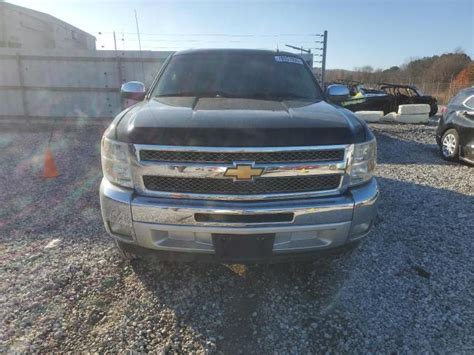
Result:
70,84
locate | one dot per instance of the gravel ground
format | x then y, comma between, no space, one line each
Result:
408,288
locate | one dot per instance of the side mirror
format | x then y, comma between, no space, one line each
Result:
133,90
337,93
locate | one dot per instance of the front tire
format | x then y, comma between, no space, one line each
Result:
124,252
449,147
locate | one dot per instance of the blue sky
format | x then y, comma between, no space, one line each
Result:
362,32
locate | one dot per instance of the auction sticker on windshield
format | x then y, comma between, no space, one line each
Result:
286,59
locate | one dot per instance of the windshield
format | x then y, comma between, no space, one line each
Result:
242,75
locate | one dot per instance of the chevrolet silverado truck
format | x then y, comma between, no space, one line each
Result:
236,156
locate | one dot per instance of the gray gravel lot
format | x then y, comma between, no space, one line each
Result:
408,288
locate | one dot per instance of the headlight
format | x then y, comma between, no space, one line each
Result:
116,163
363,162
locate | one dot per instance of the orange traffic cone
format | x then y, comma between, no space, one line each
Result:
50,170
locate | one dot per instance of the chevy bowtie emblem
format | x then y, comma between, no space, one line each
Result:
243,172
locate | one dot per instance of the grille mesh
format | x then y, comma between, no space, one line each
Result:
271,185
229,157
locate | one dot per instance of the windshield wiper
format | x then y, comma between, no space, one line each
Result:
259,96
284,97
197,94
277,97
176,94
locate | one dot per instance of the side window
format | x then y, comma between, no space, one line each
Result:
469,102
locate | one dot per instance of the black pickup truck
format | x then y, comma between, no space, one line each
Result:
236,156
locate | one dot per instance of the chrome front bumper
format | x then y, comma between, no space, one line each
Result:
170,225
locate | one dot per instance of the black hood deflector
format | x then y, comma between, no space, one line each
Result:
223,122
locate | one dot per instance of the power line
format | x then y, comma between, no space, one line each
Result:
199,41
220,34
177,41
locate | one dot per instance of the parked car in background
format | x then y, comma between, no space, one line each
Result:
384,97
455,133
362,98
408,94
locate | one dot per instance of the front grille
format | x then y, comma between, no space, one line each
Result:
273,185
244,218
229,157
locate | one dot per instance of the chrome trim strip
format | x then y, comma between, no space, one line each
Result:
143,191
217,171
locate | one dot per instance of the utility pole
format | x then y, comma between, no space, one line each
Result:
323,60
138,32
308,59
140,45
115,43
301,49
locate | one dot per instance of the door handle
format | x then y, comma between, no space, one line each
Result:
468,114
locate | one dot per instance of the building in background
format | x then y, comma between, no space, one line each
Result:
24,28
50,69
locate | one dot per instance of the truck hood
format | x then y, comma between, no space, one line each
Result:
230,122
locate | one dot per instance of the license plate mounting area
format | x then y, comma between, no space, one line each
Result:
243,247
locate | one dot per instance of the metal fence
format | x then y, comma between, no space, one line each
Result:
70,85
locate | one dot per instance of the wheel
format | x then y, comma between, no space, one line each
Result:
345,251
125,253
449,147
